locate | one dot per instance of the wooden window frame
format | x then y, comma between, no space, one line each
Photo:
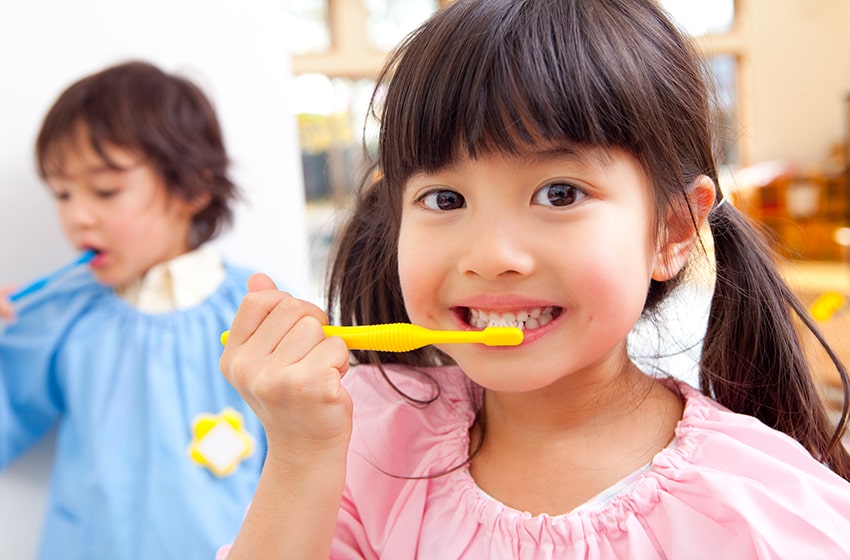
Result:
352,56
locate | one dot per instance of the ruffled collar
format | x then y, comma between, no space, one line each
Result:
638,497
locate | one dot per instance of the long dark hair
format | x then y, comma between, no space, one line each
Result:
500,75
167,118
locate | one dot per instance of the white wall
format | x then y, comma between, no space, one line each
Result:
236,51
800,75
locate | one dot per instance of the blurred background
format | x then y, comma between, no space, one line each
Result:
292,80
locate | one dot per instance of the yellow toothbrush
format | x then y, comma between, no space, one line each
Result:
403,337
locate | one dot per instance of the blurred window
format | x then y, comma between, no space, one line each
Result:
701,17
338,49
310,30
389,21
710,21
724,69
333,127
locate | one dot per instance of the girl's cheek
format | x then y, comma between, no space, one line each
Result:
414,287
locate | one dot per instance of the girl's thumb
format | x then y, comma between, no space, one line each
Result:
259,281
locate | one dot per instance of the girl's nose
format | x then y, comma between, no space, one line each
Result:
495,248
78,213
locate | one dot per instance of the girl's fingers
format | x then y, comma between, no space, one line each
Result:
298,341
328,355
279,322
7,310
280,361
253,310
301,384
272,333
257,305
263,296
259,281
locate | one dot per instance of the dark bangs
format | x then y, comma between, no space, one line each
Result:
506,75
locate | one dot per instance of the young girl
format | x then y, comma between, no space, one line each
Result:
156,455
547,165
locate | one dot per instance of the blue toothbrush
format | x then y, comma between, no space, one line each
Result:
44,280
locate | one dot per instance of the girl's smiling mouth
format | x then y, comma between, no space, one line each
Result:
525,319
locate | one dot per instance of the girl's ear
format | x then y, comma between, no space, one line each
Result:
200,202
197,204
680,232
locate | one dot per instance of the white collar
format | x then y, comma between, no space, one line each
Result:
183,282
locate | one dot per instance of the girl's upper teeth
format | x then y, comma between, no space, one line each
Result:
525,319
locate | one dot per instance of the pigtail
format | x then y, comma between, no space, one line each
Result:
753,360
363,286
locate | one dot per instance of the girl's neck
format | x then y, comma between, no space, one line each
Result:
548,452
580,400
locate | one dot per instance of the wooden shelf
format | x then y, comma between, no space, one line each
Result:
803,213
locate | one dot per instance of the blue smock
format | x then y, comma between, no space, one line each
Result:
125,388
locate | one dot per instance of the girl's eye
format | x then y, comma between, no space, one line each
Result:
61,196
106,193
558,194
442,200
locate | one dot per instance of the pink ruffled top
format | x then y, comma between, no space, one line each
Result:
728,487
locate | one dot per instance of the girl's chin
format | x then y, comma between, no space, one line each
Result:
110,280
507,369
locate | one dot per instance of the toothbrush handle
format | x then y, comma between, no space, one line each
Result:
403,337
398,337
387,338
43,281
392,337
30,288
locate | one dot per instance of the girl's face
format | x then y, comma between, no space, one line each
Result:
127,216
559,242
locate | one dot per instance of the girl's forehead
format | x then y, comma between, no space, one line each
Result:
75,157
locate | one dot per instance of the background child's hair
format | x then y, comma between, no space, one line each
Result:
502,76
166,118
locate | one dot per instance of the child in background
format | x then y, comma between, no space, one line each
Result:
156,455
547,165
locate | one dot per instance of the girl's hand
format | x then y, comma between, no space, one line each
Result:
278,358
7,310
280,361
